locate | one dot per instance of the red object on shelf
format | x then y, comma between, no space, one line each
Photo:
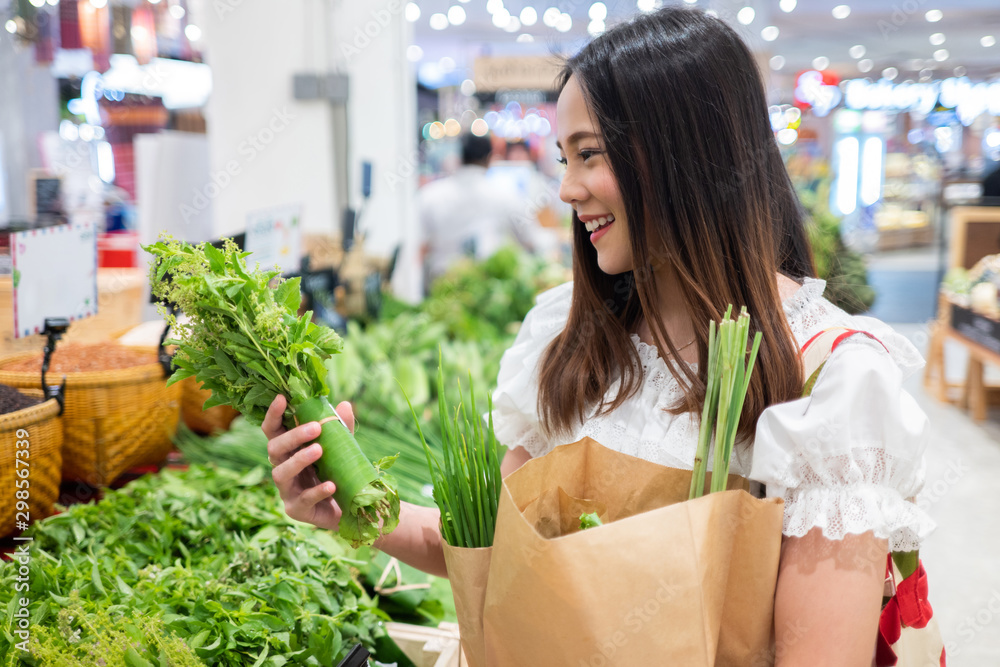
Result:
117,250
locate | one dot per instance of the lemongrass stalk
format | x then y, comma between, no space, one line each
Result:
707,415
723,442
726,374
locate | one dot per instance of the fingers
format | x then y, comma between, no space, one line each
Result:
308,498
286,472
281,447
346,413
272,425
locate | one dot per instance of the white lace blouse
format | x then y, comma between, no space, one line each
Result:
846,459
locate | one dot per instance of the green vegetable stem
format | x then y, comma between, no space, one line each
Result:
727,382
466,476
246,343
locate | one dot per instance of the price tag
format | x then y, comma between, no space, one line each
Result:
54,275
274,236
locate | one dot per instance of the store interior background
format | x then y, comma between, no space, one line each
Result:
198,116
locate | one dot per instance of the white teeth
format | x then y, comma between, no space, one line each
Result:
594,225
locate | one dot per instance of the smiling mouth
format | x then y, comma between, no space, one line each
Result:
594,225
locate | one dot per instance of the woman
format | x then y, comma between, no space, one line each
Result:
682,206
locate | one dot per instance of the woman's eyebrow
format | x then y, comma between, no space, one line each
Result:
575,137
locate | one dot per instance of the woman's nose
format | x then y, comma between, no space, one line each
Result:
570,189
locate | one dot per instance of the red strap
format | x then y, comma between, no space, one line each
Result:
840,339
914,608
889,625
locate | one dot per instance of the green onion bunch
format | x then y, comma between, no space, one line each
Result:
466,477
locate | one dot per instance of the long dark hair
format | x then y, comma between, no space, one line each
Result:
680,103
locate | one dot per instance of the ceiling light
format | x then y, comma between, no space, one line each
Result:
941,55
440,21
565,23
646,5
529,16
746,15
937,39
456,15
821,62
550,17
934,15
890,73
412,11
960,71
595,28
866,65
414,53
857,51
192,32
525,37
770,33
777,62
787,5
598,11
841,12
988,41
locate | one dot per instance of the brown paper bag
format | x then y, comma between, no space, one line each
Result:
468,570
665,581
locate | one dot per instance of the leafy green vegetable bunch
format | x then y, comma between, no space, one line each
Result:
245,341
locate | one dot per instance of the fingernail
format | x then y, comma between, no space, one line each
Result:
315,428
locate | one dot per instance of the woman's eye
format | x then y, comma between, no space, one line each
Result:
561,161
586,155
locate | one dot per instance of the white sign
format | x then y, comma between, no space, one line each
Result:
274,236
54,275
966,98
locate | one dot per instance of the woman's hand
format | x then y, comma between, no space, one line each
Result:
306,499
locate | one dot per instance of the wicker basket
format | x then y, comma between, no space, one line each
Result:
45,439
114,420
205,422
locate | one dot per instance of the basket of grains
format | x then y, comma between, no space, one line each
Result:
193,397
118,414
31,464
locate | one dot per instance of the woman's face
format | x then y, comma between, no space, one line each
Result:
588,185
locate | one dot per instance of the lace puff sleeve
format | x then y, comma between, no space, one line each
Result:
849,458
515,414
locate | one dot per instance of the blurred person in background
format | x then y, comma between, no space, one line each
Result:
469,214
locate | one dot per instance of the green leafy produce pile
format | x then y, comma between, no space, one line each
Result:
488,299
200,564
844,270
